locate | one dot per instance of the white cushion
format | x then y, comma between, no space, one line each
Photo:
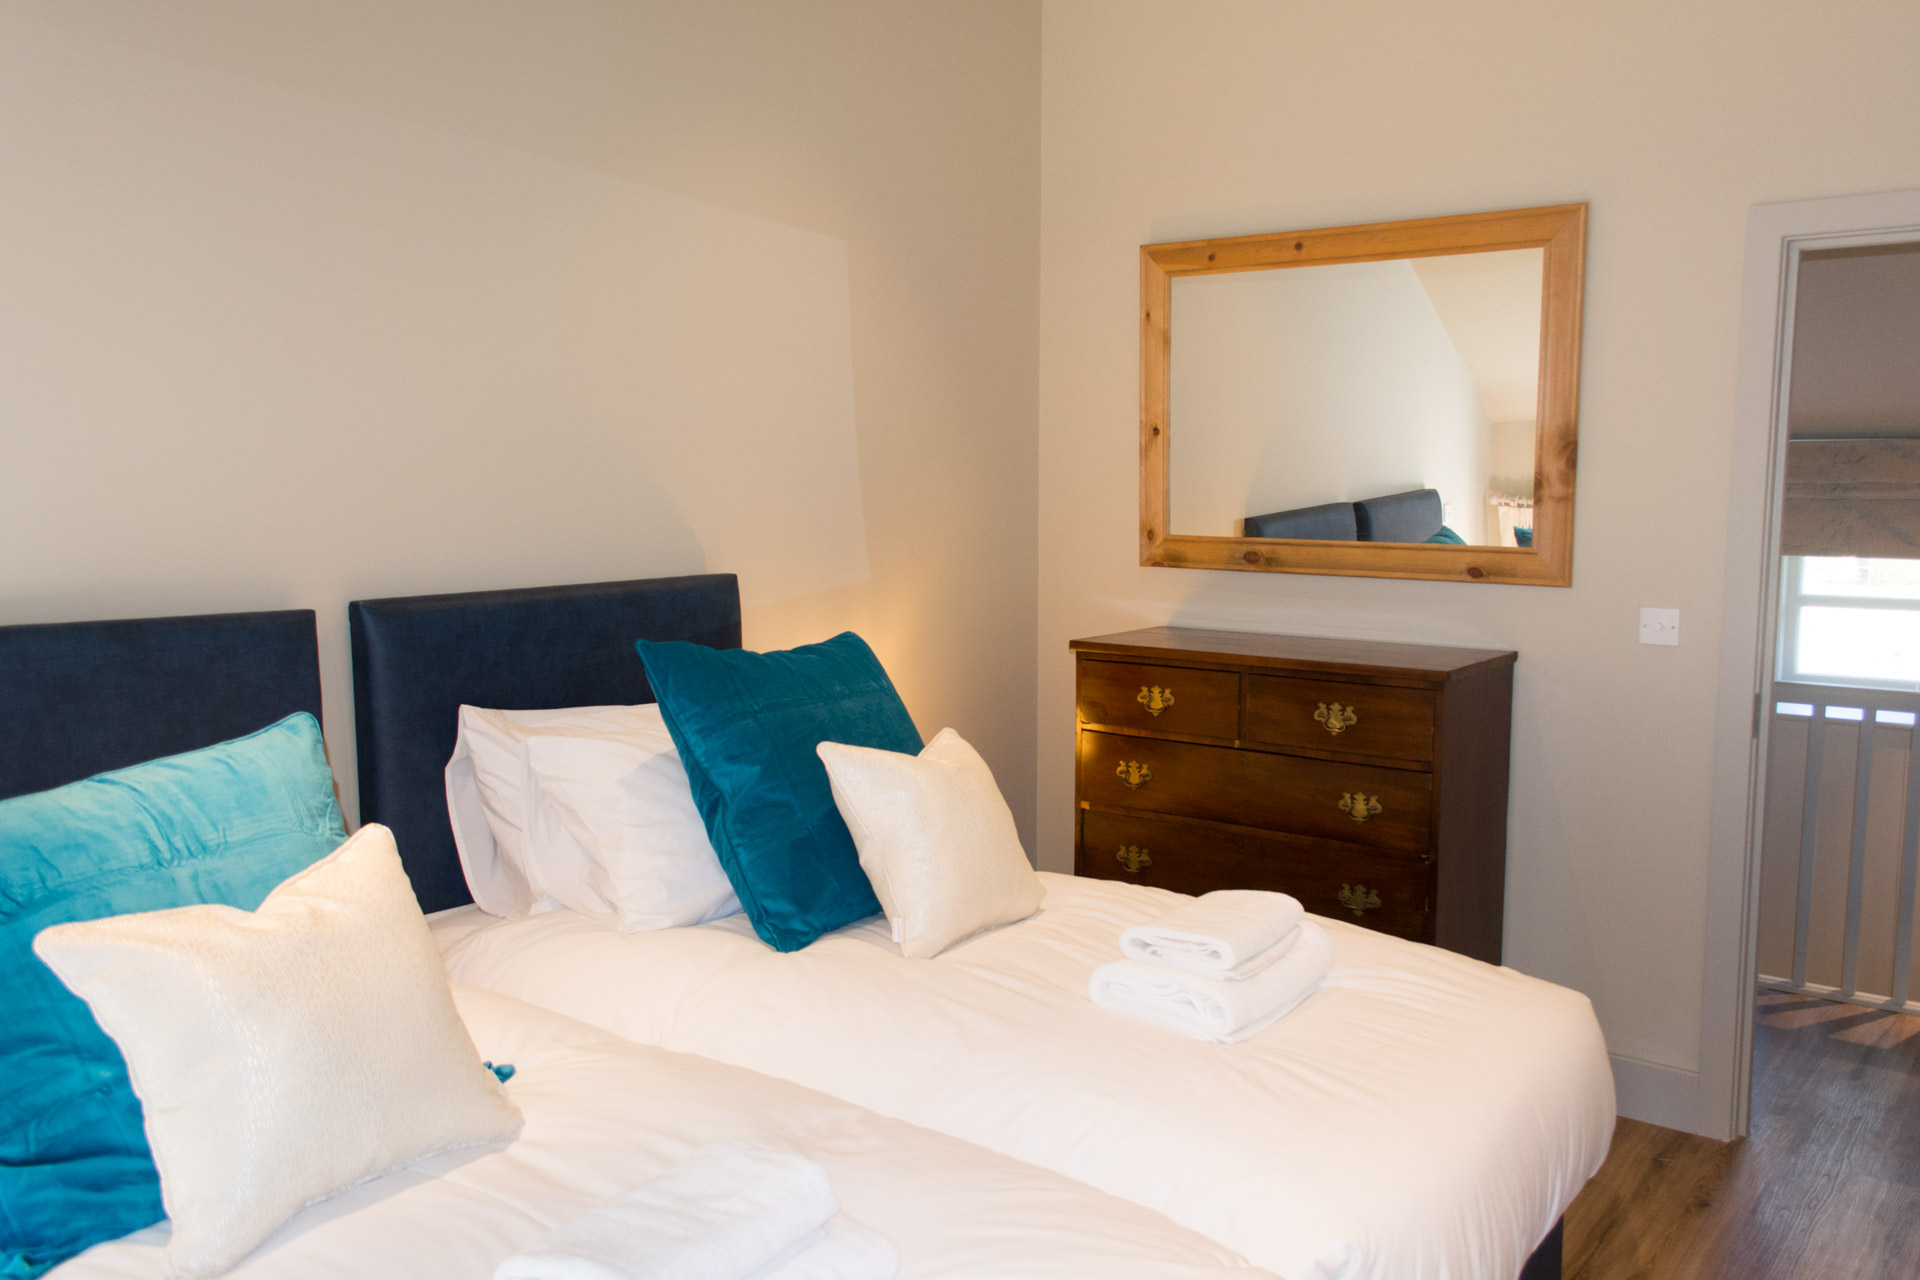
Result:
936,839
285,1054
586,808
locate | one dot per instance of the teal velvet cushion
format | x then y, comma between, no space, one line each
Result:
223,824
1449,537
746,725
1523,537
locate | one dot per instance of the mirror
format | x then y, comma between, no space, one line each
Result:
1393,400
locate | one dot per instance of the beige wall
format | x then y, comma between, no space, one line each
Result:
303,303
1167,121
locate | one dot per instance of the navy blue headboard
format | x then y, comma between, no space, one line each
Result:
417,658
1413,516
79,698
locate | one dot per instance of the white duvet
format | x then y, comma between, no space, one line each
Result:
604,1115
1424,1115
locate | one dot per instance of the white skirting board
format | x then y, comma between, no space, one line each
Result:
1659,1095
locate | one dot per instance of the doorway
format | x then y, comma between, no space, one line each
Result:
1841,792
1822,641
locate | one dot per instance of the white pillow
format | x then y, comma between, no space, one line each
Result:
618,790
489,805
285,1054
587,808
936,839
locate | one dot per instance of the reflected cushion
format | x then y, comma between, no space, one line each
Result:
222,824
746,726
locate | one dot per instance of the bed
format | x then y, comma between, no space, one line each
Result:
1426,1115
602,1113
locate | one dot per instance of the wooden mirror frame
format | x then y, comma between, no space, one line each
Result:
1560,230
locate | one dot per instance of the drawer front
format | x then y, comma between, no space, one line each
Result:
1364,804
1385,893
1201,704
1333,715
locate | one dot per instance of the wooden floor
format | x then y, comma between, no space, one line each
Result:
1827,1186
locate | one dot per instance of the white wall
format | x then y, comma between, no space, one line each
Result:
1510,458
302,303
1167,121
1317,384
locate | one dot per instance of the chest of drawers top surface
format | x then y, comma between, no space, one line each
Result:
1382,660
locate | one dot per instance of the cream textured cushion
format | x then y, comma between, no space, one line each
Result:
285,1054
935,838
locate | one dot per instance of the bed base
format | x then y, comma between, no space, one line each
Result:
1545,1262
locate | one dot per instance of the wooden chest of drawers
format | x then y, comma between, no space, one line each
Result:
1369,780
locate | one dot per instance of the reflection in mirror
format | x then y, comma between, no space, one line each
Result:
1385,401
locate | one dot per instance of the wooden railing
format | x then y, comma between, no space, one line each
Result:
1882,724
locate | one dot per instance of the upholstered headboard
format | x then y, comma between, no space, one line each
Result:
79,698
1413,516
417,658
1329,522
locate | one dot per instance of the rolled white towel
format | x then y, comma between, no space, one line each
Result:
724,1213
845,1250
1228,932
1209,1008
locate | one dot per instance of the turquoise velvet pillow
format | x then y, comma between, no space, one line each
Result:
746,725
1449,537
223,824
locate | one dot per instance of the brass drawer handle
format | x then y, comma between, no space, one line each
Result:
1359,899
1154,698
1335,717
1133,775
1133,858
1359,807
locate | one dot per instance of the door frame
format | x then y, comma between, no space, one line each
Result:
1777,234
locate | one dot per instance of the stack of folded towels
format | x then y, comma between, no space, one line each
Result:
1221,968
729,1211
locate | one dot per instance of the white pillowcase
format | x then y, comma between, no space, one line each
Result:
936,839
586,808
285,1054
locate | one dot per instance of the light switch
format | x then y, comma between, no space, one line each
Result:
1659,626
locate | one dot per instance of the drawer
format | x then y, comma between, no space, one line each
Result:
1385,893
1200,704
1336,715
1364,804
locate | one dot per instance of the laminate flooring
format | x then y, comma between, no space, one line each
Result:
1827,1186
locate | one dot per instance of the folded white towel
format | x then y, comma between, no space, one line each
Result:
845,1250
1224,932
724,1213
1210,1008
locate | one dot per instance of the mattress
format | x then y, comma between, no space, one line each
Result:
603,1115
1424,1115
